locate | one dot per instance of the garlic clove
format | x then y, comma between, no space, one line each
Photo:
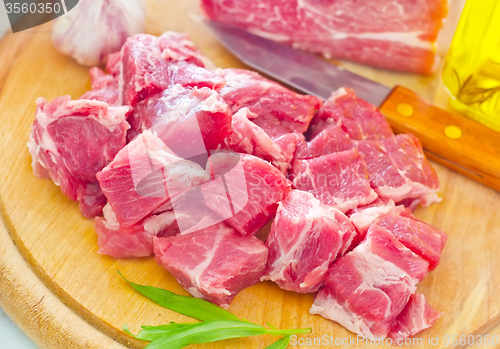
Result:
96,28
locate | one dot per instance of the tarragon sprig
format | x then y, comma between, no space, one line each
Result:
216,323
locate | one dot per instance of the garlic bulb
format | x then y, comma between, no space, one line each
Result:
96,28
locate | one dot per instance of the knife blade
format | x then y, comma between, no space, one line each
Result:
452,140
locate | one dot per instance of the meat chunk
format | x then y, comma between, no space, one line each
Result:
420,237
214,263
144,176
399,35
306,237
331,139
364,216
71,141
247,137
104,87
135,241
244,190
415,317
367,289
278,109
190,122
276,112
358,118
338,179
399,170
150,64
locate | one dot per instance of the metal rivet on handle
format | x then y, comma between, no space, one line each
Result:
404,109
453,132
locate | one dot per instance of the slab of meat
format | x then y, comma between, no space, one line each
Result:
144,175
338,179
305,238
358,118
244,190
399,170
420,237
367,289
415,317
331,139
71,141
396,35
215,263
104,87
135,241
150,64
190,122
247,137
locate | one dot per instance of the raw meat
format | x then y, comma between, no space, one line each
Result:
247,137
398,35
367,289
278,110
135,241
150,64
113,64
215,263
143,176
358,118
415,317
331,139
306,237
364,216
71,141
244,190
191,122
281,114
398,169
104,87
422,238
338,179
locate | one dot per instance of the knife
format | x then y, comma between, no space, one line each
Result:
452,140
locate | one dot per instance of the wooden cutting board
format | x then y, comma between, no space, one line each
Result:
60,245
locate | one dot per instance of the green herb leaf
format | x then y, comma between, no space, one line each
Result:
215,330
150,333
280,343
190,306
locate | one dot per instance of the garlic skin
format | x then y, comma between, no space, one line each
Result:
96,28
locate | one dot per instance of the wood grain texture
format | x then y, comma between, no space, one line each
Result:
476,153
60,245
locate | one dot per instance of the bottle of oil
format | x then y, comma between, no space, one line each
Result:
471,72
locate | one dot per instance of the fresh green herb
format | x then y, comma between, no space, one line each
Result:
214,330
190,306
217,323
280,343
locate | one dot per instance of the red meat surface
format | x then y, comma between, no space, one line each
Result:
104,87
214,263
305,238
398,35
71,141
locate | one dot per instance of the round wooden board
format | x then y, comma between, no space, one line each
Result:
60,245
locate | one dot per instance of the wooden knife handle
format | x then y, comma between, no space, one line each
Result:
452,140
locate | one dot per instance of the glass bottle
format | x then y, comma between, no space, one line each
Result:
471,72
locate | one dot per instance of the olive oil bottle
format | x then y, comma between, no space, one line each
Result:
471,73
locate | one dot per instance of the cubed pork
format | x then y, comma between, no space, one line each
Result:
144,176
338,179
415,317
214,263
191,122
305,238
71,141
104,87
369,287
244,190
